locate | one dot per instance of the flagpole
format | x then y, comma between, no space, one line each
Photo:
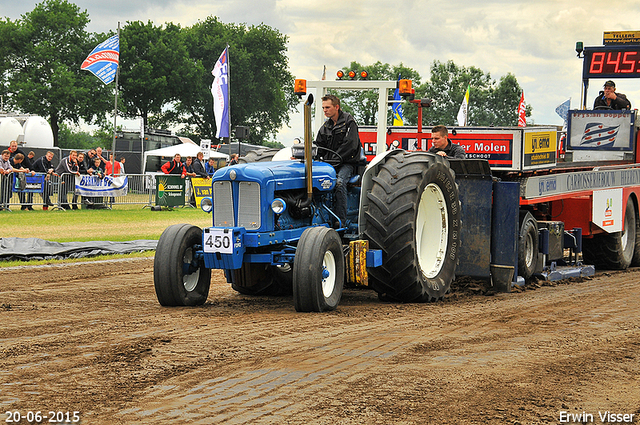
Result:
115,115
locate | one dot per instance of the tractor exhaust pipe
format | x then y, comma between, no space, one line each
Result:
308,158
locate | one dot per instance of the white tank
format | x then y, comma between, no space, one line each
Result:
38,133
10,129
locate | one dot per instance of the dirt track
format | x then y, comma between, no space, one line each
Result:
92,338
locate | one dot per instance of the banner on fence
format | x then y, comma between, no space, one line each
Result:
201,189
170,190
23,182
106,186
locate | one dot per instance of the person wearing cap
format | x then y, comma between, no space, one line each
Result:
610,99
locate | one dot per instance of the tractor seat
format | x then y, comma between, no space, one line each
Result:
360,166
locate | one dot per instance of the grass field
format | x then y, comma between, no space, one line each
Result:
122,223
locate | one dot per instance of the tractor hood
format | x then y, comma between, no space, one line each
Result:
286,175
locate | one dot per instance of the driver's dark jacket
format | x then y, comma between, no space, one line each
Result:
342,138
619,104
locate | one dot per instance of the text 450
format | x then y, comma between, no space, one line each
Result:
38,417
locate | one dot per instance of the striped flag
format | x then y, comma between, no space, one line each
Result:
220,92
598,135
104,59
463,112
522,118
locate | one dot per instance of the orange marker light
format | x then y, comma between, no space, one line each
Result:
404,87
340,74
364,75
352,74
300,87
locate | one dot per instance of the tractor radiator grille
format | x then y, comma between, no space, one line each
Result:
249,205
223,204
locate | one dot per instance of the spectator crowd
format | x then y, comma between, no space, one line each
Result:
15,165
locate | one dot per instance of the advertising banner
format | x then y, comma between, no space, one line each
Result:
201,189
93,186
601,130
170,191
540,148
26,183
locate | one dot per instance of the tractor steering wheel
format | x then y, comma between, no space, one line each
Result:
603,107
334,162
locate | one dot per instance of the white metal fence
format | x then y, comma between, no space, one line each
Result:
58,192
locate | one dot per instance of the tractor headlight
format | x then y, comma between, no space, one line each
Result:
278,206
206,204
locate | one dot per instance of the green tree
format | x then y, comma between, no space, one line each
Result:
490,104
154,62
363,104
42,68
8,30
261,86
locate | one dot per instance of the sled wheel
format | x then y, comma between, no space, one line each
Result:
527,245
318,270
179,276
613,250
414,218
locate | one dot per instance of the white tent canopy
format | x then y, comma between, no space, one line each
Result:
184,149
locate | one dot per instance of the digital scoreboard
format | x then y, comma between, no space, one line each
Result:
611,62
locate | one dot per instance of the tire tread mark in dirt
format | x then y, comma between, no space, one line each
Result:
235,398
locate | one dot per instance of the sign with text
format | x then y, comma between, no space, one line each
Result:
607,209
27,183
170,191
540,148
601,130
107,186
621,37
201,189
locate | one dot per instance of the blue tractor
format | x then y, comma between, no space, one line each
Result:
274,232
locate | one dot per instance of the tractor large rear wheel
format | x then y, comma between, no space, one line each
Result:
414,218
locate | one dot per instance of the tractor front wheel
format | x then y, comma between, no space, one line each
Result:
318,270
179,276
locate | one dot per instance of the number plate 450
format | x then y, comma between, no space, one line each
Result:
218,240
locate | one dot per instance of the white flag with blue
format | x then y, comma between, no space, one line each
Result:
563,110
104,59
220,92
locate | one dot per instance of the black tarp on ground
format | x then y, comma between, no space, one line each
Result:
40,249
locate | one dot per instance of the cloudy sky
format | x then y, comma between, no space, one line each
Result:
532,39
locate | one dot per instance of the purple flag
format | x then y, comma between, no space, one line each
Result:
103,60
220,92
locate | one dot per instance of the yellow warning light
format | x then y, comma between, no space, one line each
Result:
300,87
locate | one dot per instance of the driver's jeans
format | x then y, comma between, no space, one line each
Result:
344,173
